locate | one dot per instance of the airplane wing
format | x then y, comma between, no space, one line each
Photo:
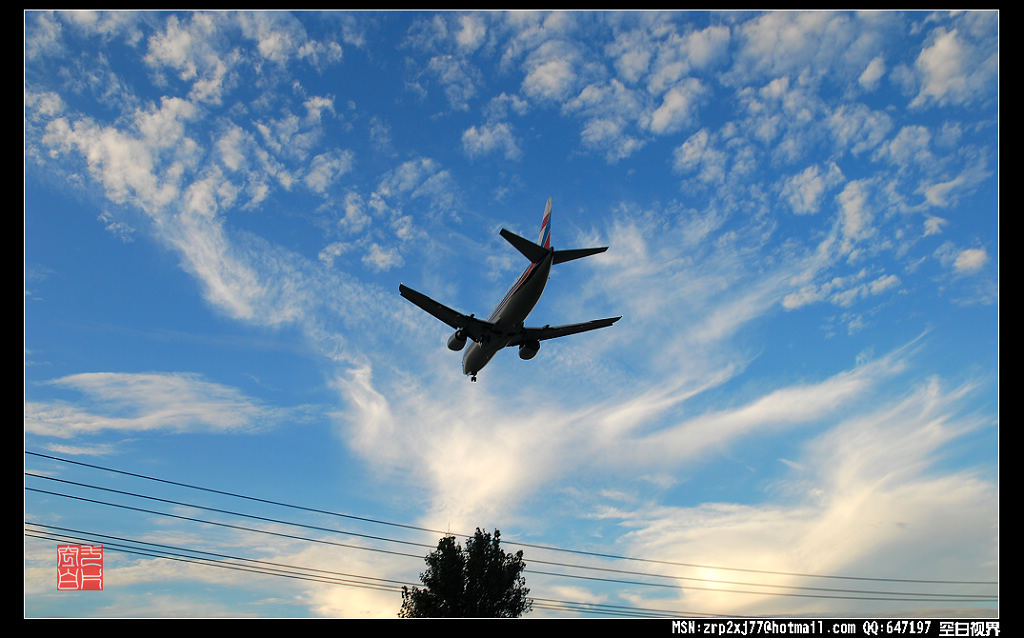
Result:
474,328
551,332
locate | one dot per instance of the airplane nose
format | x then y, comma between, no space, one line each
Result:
471,361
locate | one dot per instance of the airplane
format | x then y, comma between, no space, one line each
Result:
504,328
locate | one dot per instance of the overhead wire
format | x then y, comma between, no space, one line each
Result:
219,563
331,577
273,568
833,593
164,549
506,540
860,594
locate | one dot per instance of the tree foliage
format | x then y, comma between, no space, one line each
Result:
480,581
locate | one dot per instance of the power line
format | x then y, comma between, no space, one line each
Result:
235,494
330,577
265,519
222,564
505,540
222,524
887,594
534,561
174,550
835,594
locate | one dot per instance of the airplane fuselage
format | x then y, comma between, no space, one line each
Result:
505,327
509,315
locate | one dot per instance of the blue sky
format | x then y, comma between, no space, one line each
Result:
802,214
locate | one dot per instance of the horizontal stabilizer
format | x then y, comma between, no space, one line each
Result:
535,252
530,250
575,253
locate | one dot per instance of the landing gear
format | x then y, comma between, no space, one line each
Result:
473,378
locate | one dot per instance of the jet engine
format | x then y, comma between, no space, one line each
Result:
528,349
457,341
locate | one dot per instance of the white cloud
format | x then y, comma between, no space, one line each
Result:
382,258
316,106
677,107
551,68
123,231
326,168
489,138
102,449
458,78
43,34
855,214
697,154
429,431
471,32
550,80
232,147
352,601
841,291
607,99
632,52
290,137
933,225
125,165
332,251
278,36
805,190
423,177
865,497
858,128
954,70
806,295
229,281
355,218
705,47
192,50
677,55
970,260
944,193
320,54
883,283
793,43
609,109
872,74
151,163
408,176
42,106
141,402
154,165
175,46
609,134
783,408
500,106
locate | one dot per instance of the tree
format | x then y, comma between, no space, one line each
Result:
480,581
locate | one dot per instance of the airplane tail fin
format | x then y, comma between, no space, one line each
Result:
545,227
536,252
